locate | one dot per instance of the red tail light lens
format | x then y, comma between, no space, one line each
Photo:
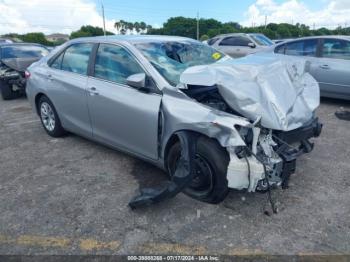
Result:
26,74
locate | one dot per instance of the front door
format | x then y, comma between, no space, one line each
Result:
122,116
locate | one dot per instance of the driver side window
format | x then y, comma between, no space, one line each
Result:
114,63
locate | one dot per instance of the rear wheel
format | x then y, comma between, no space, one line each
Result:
6,91
49,118
210,182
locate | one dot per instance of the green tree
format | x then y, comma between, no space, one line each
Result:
38,38
204,38
180,26
88,30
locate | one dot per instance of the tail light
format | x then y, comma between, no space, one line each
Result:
26,74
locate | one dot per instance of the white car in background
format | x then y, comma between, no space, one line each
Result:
240,44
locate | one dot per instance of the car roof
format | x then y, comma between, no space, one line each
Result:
344,37
230,34
19,44
133,39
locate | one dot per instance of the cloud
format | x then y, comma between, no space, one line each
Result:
49,16
333,14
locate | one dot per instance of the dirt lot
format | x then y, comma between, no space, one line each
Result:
70,195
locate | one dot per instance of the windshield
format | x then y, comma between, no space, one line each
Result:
172,58
23,51
261,39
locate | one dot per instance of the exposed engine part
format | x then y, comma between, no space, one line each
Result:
245,171
209,96
272,161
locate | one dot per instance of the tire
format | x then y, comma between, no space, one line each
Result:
209,186
49,118
6,91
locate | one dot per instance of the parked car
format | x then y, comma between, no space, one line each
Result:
240,44
14,60
5,40
329,58
153,96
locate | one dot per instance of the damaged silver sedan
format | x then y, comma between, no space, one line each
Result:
211,122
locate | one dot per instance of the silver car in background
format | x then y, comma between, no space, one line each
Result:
329,58
126,92
240,44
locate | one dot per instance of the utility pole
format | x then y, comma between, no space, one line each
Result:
197,25
265,21
104,22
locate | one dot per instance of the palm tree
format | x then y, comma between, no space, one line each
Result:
130,27
143,26
137,27
120,26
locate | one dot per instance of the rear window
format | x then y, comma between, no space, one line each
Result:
213,41
23,51
76,58
261,40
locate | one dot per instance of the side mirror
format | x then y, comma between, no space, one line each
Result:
251,45
137,80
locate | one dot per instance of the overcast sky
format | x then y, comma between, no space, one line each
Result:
64,16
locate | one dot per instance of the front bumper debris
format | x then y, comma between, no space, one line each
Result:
294,143
270,155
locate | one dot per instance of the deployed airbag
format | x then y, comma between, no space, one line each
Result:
279,90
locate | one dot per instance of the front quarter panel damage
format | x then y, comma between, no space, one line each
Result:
182,113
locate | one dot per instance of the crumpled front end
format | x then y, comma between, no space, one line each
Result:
281,92
279,96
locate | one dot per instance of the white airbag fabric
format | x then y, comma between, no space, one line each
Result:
277,89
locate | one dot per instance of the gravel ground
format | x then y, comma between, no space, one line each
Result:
70,195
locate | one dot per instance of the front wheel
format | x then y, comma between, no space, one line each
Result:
49,118
210,181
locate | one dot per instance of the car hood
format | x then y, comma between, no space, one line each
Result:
278,90
20,64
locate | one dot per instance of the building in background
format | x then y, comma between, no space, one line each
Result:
60,38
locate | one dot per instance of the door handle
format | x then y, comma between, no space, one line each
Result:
93,91
324,66
49,77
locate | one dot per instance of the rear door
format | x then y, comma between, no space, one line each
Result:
332,69
66,82
122,116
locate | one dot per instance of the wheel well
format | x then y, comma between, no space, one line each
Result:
174,139
37,99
